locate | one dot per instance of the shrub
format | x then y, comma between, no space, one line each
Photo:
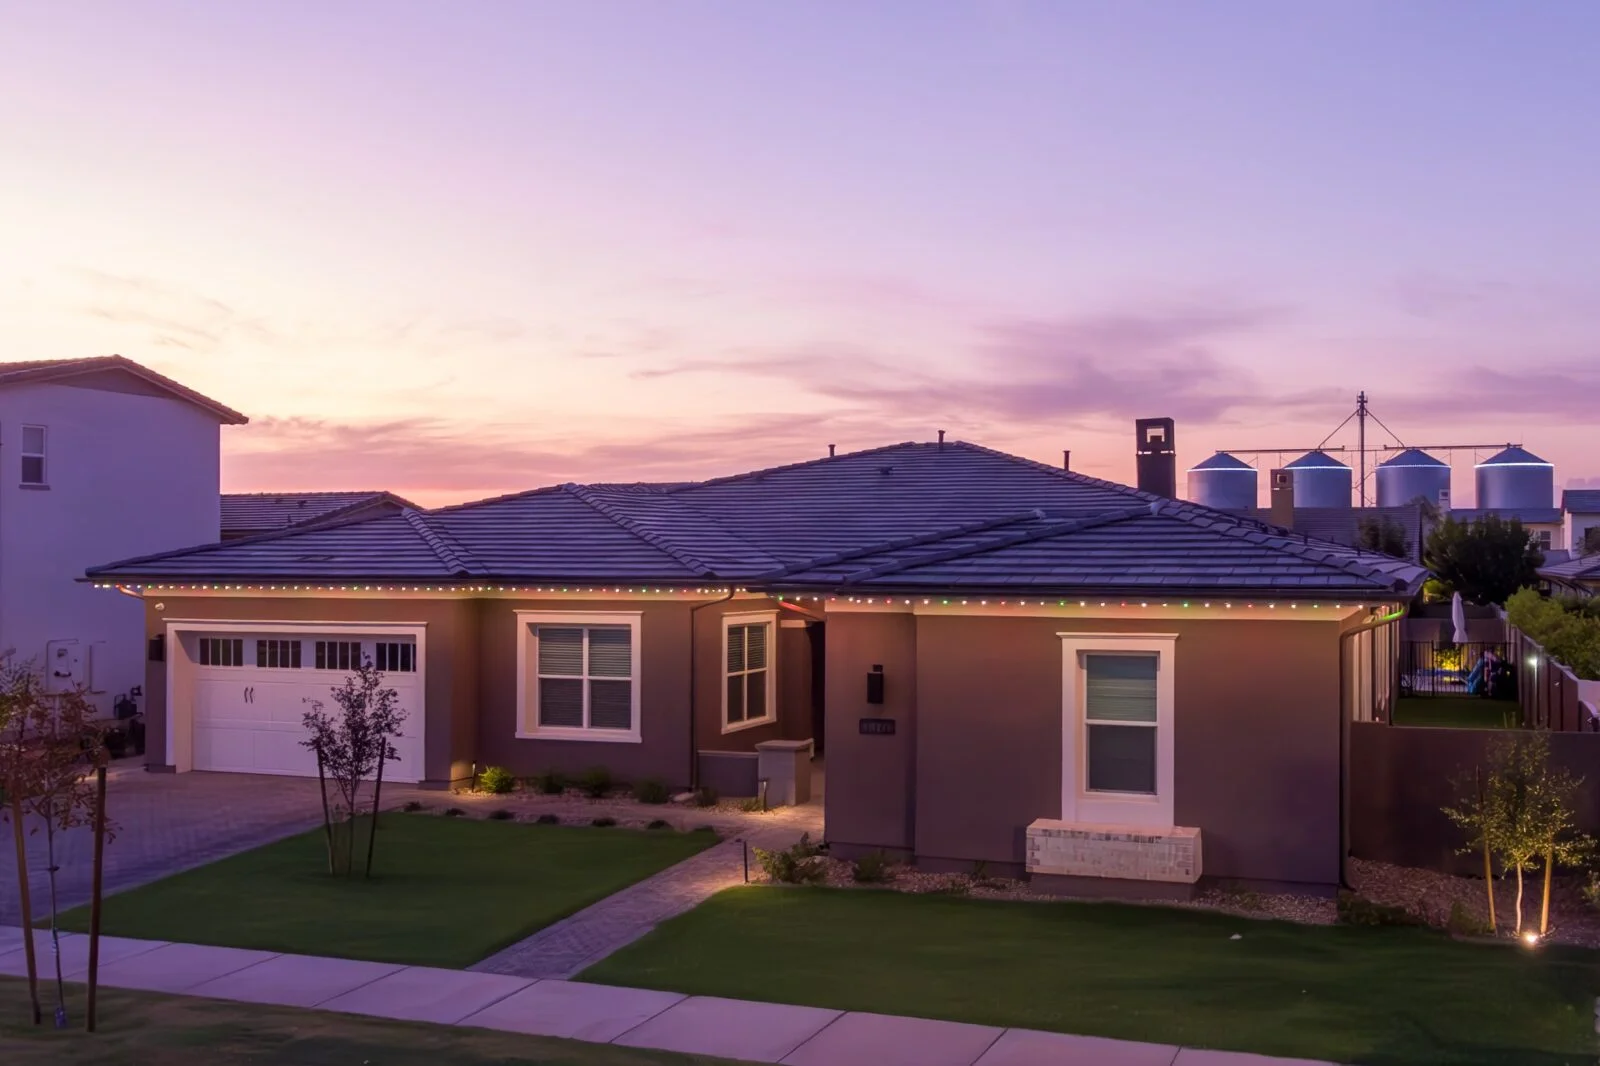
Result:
705,796
496,781
549,783
1358,910
1591,888
752,805
596,782
454,812
603,823
1463,922
1568,629
501,815
659,823
412,806
548,819
801,864
651,790
955,885
873,868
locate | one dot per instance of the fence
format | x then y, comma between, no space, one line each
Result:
1438,668
1552,696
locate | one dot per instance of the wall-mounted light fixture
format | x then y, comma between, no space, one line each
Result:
875,684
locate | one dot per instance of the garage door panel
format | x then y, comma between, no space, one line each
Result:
225,699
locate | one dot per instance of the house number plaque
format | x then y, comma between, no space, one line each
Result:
877,727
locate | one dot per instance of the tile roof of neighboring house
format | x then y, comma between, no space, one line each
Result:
262,512
948,515
1581,501
1583,568
1526,515
42,370
1342,525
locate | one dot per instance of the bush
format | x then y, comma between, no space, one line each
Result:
873,868
603,823
1591,889
501,815
1463,922
454,812
753,805
549,783
651,790
799,865
1358,910
659,823
705,796
596,782
412,806
548,819
496,781
1568,629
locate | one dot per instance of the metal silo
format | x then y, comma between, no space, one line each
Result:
1320,480
1224,482
1516,479
1413,473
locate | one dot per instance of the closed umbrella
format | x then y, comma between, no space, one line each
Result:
1458,618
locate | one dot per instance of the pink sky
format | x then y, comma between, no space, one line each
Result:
456,251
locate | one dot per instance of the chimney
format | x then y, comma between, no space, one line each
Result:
941,438
830,451
1283,498
1156,456
1066,459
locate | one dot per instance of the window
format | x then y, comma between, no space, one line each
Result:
338,655
221,651
1119,710
396,656
576,677
278,654
749,697
1541,539
33,455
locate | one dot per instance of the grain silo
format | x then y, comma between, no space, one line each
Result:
1410,475
1320,480
1516,479
1225,483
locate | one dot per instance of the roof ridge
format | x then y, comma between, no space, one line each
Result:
503,498
450,551
301,530
749,474
908,541
649,536
1008,540
1067,475
50,369
310,492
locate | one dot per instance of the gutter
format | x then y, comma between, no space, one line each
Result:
1382,622
694,755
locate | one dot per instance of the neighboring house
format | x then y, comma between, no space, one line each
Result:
1003,661
1582,510
1544,524
249,514
97,456
1343,525
1580,575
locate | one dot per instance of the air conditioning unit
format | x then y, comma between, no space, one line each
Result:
1444,499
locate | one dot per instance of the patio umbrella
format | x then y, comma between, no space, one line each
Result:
1458,618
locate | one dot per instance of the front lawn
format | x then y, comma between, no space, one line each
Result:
444,892
1385,996
141,1027
1457,712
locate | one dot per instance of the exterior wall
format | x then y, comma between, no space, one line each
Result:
1576,526
711,678
870,801
451,666
129,473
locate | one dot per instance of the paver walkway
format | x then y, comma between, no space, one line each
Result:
634,1017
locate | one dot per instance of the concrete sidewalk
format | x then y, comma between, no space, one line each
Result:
634,1017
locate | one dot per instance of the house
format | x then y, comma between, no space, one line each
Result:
98,457
1582,510
250,514
1544,524
1580,575
1000,660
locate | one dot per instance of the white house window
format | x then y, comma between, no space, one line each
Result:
338,655
396,656
584,679
278,654
1119,710
749,695
221,651
33,471
1542,539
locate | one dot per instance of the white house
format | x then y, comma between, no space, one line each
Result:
99,459
1582,509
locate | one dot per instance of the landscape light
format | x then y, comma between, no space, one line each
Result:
1531,939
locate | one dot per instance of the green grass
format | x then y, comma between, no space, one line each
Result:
142,1028
1381,996
444,891
1457,712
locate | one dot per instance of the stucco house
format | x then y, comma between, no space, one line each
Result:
1582,510
1000,660
99,457
250,514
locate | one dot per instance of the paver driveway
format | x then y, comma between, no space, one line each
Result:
166,823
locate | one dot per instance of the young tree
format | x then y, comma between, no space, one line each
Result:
1383,535
1486,560
1476,816
351,746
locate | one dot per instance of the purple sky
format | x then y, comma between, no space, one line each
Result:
460,249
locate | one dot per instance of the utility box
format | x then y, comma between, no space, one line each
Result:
785,765
66,665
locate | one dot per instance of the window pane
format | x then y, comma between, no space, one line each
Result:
1120,688
33,440
735,698
32,470
261,653
757,695
560,651
611,704
611,652
756,647
560,702
735,648
1122,758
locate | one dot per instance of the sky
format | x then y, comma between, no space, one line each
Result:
459,249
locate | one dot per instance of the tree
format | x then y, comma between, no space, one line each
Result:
1485,560
351,746
1383,535
1590,545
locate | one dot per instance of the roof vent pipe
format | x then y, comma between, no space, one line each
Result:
1066,459
831,447
941,438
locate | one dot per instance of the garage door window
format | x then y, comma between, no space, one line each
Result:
278,654
396,656
221,651
338,655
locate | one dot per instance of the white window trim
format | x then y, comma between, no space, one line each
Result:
1078,804
528,727
43,455
771,714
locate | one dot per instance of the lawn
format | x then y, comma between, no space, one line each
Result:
1379,996
139,1027
1457,712
444,892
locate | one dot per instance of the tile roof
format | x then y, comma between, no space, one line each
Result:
1581,501
1583,568
41,370
1525,515
262,512
922,516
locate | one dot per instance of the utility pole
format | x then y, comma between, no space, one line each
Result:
1361,446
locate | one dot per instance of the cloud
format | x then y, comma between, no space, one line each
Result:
1562,392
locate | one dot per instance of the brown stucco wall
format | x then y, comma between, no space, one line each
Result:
870,800
711,678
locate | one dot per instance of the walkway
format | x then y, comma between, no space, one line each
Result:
632,1017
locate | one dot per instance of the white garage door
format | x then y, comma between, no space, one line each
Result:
251,693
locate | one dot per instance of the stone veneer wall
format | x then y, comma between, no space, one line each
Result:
1124,852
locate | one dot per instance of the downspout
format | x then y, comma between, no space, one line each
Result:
694,710
1383,622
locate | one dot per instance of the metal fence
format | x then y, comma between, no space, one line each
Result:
1439,668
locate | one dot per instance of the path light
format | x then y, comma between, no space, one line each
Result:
1530,939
